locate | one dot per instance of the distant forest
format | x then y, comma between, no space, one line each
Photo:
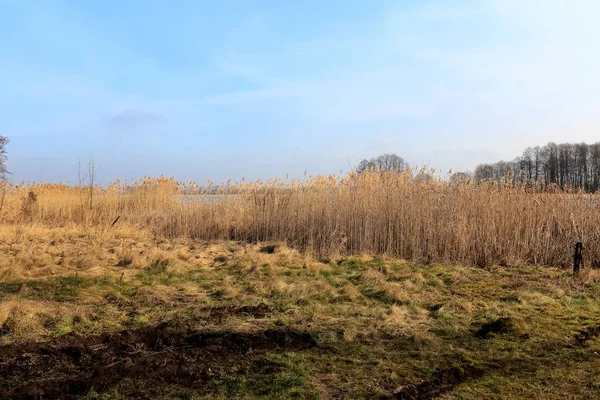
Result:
566,165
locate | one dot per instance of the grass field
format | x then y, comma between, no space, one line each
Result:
118,313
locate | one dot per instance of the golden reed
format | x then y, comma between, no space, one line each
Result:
389,214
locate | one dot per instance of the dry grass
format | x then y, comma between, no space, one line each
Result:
379,323
379,214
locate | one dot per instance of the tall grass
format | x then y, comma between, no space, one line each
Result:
378,213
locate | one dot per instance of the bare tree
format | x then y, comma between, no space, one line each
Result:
565,165
87,182
363,166
3,170
459,177
91,179
595,167
383,163
484,172
528,163
3,158
537,163
502,171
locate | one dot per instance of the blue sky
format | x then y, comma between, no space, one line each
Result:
206,89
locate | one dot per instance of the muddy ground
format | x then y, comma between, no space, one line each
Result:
71,366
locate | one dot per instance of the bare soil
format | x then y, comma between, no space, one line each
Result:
70,366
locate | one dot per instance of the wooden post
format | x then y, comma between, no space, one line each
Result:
577,258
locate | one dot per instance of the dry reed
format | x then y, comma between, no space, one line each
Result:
372,213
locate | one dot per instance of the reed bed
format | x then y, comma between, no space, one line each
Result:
387,214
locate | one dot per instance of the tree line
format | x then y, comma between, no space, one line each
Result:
566,165
384,163
574,165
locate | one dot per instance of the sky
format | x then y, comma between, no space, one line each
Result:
226,89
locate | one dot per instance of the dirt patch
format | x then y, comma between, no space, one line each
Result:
501,325
71,365
444,381
269,249
435,307
582,337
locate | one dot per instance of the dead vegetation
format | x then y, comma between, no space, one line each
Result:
372,213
